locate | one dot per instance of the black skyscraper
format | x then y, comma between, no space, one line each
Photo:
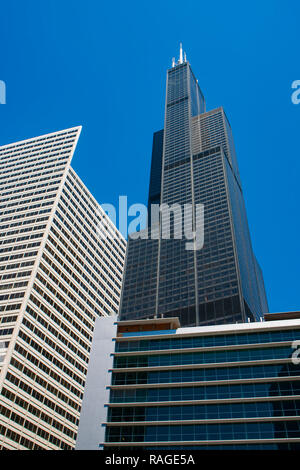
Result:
194,162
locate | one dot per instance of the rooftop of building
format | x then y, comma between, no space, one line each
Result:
163,326
281,316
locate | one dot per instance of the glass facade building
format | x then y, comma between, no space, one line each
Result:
209,387
194,162
56,278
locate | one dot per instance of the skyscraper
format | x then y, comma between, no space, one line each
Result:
56,277
194,162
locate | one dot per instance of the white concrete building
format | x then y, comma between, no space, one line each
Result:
56,277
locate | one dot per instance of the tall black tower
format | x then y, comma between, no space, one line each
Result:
194,162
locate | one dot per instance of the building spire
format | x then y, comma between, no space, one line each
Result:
180,54
182,57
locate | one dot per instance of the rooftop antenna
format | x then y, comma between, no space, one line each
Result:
185,57
173,62
180,54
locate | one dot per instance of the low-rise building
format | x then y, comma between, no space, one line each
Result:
233,386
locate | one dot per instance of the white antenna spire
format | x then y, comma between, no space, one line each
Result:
173,62
180,54
185,57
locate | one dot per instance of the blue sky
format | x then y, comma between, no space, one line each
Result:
103,65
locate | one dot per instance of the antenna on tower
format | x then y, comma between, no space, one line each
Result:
173,62
180,54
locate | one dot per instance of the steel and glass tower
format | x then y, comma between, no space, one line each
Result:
194,162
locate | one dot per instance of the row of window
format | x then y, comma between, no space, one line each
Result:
23,192
37,412
218,411
90,202
20,204
17,182
211,392
52,359
19,247
82,262
69,293
204,432
12,296
57,318
253,337
63,352
258,446
88,243
47,386
34,394
80,271
57,333
7,152
93,217
26,254
27,424
20,439
205,357
24,230
63,311
23,238
206,374
17,169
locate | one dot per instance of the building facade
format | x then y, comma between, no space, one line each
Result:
56,277
194,162
96,392
210,387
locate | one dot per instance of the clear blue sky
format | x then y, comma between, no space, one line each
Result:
103,65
